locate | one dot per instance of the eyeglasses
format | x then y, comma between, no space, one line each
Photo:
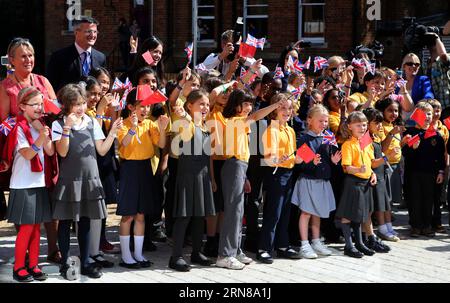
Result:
412,64
35,105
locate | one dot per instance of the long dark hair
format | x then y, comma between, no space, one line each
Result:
283,54
149,44
382,105
131,100
144,71
236,99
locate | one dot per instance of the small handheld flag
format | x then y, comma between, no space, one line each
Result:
7,125
329,138
447,122
50,107
148,57
156,97
413,140
246,50
258,43
430,132
365,141
188,51
143,92
306,153
320,63
419,117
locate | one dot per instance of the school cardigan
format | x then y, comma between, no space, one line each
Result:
147,132
322,170
429,157
352,155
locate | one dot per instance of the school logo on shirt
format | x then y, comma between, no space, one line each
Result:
433,142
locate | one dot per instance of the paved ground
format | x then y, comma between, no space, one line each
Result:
411,260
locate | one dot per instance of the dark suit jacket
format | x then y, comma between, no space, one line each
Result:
65,66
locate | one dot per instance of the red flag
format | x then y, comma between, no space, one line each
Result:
306,153
143,92
365,140
148,57
156,97
447,122
419,116
413,140
246,50
50,107
430,132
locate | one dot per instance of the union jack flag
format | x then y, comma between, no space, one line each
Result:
307,63
243,72
298,67
320,63
278,73
329,138
290,63
258,43
371,68
296,93
7,125
358,62
188,51
119,85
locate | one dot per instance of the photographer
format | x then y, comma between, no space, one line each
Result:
438,68
222,61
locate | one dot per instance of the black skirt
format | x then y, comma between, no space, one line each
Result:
137,189
193,190
382,195
356,200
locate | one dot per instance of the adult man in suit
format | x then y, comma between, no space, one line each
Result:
69,64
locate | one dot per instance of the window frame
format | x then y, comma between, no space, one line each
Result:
247,16
313,40
196,16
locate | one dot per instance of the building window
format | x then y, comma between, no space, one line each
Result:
204,19
311,20
255,18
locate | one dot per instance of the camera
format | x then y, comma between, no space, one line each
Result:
341,95
417,36
4,60
236,37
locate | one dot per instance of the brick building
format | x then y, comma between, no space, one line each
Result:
333,26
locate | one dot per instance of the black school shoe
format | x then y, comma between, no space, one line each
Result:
135,265
37,274
376,245
102,263
289,253
353,252
22,278
91,271
200,259
179,264
366,251
264,257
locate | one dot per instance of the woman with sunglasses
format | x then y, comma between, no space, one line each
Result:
419,87
21,57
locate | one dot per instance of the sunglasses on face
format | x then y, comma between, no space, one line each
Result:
412,64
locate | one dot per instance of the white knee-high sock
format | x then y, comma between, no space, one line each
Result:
125,249
138,243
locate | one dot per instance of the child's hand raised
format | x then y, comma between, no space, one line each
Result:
256,65
133,44
134,120
44,132
336,157
416,144
70,120
317,159
298,159
163,121
37,125
116,126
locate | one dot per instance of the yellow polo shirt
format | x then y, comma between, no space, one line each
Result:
362,98
442,129
395,143
352,155
147,132
236,143
279,140
216,124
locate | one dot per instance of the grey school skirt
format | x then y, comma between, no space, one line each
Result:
29,206
356,200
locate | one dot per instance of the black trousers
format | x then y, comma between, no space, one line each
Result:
170,195
255,174
436,219
421,194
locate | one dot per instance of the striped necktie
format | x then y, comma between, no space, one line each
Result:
86,63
